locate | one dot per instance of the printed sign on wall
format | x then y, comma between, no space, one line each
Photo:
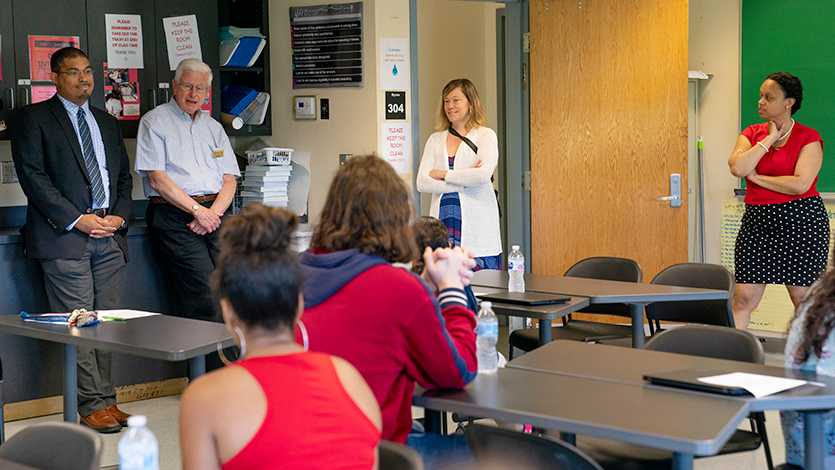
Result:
182,39
124,41
327,45
397,148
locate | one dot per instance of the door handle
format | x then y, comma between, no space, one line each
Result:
675,191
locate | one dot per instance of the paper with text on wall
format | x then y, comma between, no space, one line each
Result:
182,39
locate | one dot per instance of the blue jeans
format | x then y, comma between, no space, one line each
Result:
438,451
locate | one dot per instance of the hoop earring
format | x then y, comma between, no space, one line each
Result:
222,355
305,342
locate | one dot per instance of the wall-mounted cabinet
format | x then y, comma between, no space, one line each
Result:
248,14
85,19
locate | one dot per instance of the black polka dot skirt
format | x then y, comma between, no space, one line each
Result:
784,243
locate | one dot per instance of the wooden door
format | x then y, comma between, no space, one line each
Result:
608,127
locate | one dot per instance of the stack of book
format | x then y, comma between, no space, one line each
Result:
266,184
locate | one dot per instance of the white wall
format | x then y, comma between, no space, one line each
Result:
714,49
456,39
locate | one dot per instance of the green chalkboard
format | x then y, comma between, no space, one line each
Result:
795,36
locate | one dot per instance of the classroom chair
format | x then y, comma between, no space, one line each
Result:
496,448
600,267
703,312
393,456
54,446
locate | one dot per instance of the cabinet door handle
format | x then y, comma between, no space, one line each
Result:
153,94
25,95
10,98
166,94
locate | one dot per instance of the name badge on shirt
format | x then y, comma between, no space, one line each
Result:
217,153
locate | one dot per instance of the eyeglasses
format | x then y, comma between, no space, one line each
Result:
75,72
199,88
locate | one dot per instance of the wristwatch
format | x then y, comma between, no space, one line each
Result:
124,222
194,208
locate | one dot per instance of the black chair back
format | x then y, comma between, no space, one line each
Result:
709,341
393,456
54,446
496,448
607,268
705,312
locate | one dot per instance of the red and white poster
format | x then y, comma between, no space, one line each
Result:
397,148
124,41
182,39
121,93
41,49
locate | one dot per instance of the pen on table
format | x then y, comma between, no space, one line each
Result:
114,318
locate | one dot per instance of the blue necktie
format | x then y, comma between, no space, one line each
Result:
90,159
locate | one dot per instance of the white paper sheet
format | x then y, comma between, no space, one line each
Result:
124,314
758,385
182,39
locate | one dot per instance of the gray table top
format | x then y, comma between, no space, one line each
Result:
158,337
541,312
598,291
629,365
666,419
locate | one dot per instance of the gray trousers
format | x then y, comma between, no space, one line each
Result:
93,282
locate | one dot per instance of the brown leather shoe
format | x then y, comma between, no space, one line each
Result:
118,414
101,421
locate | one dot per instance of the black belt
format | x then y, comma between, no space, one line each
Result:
100,212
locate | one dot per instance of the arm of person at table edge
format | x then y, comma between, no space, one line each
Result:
207,219
440,339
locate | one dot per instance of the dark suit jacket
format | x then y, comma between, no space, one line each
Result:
51,170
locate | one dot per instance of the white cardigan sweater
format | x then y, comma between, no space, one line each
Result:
479,210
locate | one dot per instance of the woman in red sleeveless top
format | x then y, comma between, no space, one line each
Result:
280,406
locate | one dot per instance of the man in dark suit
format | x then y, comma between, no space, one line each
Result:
73,167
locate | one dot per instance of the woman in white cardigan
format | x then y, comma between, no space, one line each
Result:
456,167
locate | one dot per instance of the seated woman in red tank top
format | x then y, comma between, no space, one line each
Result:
279,406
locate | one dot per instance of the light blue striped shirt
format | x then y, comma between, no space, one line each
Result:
98,144
168,140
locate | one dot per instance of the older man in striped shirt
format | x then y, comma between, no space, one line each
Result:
188,170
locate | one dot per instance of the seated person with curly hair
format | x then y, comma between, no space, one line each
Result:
280,406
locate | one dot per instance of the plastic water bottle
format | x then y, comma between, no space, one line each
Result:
516,270
138,448
487,336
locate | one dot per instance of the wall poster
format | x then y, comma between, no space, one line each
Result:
40,51
182,39
121,92
124,40
327,45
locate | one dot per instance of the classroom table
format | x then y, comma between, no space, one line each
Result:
158,337
685,423
576,359
544,313
634,294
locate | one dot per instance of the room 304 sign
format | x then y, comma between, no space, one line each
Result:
395,105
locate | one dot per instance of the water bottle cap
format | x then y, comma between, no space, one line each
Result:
486,304
515,247
137,421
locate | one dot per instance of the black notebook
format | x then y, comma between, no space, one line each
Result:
689,379
525,298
